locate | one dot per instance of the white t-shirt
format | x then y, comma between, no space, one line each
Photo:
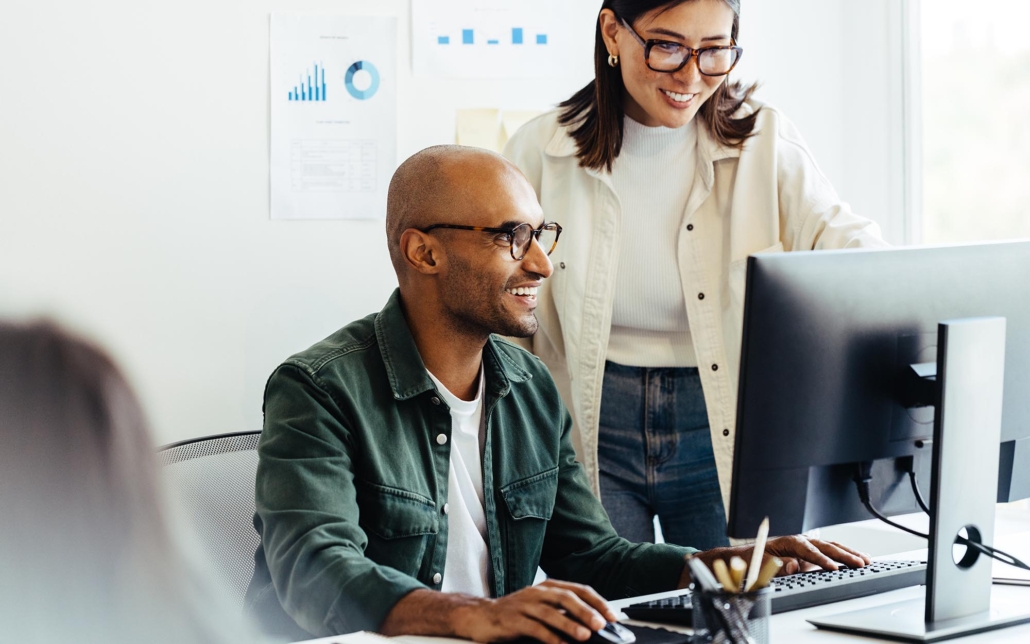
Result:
468,558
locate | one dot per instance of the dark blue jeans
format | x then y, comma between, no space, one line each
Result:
655,456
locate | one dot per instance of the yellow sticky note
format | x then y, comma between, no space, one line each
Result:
480,128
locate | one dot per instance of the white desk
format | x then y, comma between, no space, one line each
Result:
1012,535
792,627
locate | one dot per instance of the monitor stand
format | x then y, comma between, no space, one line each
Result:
967,430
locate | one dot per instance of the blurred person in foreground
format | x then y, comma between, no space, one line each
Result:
86,549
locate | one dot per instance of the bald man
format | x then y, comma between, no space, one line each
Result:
416,469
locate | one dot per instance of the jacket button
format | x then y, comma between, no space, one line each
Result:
725,432
437,578
700,296
690,226
446,508
441,439
715,367
562,265
434,400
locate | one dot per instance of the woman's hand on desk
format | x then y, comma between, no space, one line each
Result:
799,554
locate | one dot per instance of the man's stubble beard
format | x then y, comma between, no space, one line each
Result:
474,309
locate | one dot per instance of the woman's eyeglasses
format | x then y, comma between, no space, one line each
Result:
667,56
518,238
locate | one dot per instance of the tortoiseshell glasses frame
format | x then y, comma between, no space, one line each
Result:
518,237
711,61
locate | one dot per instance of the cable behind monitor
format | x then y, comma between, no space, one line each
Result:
863,478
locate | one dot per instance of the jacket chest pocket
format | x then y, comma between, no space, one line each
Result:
530,504
401,526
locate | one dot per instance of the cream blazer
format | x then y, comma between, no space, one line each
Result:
769,197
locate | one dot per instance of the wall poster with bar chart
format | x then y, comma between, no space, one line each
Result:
490,38
334,115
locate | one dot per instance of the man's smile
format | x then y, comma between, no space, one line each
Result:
523,291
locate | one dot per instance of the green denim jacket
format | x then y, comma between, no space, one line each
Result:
353,477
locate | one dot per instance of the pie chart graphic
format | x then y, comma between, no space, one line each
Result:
373,87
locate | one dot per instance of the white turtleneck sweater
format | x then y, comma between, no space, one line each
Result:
653,177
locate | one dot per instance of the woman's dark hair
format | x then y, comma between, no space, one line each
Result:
86,550
595,113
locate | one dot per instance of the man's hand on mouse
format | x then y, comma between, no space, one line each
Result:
799,554
551,612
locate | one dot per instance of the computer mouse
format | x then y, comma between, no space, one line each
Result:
612,633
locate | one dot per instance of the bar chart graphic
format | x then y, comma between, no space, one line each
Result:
491,39
468,37
311,89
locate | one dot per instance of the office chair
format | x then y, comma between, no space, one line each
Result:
213,478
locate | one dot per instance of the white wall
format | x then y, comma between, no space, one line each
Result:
779,38
134,181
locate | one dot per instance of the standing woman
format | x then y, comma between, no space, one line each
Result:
668,176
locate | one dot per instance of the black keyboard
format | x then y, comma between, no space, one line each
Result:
801,590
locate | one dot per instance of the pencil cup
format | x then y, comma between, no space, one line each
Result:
731,618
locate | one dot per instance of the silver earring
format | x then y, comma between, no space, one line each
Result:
613,60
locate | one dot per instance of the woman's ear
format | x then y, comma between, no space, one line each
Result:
609,31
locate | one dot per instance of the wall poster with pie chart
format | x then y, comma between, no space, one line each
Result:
334,115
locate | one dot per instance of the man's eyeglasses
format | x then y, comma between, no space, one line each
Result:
518,238
667,56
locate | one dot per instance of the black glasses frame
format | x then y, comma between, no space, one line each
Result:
691,53
511,232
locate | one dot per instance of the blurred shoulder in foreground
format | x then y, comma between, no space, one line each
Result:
87,550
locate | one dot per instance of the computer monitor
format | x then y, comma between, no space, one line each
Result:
847,357
828,339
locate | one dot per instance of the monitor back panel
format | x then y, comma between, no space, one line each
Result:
827,338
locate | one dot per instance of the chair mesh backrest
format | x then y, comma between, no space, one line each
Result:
214,481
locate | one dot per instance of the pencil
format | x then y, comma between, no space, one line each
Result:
737,569
757,554
771,566
722,573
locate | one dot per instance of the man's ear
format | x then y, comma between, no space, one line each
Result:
421,251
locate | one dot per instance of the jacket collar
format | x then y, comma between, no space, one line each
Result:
561,144
405,369
501,369
711,150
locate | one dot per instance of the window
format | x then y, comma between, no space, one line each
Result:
974,112
975,120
